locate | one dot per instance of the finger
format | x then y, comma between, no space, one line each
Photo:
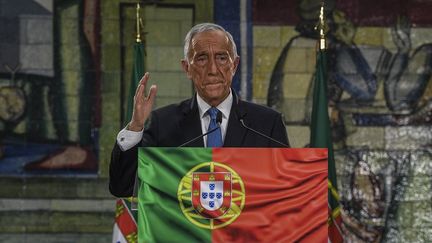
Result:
145,78
152,96
152,93
140,92
137,88
142,82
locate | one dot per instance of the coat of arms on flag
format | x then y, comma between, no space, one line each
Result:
211,193
206,195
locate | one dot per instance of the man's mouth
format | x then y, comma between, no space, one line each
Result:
213,83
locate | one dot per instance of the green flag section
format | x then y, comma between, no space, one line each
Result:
125,227
137,74
232,195
321,138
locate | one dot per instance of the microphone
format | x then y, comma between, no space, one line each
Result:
218,121
259,133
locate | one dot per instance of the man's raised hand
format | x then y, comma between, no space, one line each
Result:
142,104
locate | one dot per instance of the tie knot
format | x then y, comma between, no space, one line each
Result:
213,112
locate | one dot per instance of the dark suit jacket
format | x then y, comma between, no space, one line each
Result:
176,124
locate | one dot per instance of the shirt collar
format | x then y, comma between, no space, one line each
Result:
224,106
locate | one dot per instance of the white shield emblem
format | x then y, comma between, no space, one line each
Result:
211,193
211,197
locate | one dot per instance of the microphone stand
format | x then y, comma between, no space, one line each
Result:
218,121
259,133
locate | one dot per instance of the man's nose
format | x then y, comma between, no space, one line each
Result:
212,68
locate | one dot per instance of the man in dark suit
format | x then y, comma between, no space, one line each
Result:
210,62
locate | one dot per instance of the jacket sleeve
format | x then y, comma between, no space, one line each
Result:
123,165
122,171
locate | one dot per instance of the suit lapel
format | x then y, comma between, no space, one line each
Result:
235,134
190,125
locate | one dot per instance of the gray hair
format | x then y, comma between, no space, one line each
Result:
199,28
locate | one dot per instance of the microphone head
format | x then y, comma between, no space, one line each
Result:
219,117
239,114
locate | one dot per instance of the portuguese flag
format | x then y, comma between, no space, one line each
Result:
320,137
232,195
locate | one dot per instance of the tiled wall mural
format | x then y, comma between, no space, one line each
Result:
380,82
380,90
49,87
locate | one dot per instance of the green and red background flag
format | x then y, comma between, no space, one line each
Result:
137,74
232,195
125,227
321,138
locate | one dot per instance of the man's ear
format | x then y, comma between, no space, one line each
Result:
236,63
185,66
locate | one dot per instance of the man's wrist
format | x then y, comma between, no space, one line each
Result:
134,127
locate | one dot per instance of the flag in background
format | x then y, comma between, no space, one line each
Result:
125,227
137,74
321,138
269,195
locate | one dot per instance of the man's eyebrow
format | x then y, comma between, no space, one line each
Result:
200,54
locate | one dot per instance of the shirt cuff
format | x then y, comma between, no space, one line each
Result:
127,139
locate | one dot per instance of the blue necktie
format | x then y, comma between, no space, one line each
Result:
214,139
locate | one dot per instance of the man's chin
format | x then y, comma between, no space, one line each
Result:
215,97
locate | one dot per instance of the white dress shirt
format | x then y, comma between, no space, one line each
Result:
224,107
127,139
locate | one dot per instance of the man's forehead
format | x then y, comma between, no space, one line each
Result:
211,37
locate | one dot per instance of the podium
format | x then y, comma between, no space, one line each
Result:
232,195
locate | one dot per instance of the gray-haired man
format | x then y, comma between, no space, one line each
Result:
210,61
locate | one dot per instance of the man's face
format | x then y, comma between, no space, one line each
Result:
211,65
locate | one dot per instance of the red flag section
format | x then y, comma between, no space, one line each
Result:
125,221
285,191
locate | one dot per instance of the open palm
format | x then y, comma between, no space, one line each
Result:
142,104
